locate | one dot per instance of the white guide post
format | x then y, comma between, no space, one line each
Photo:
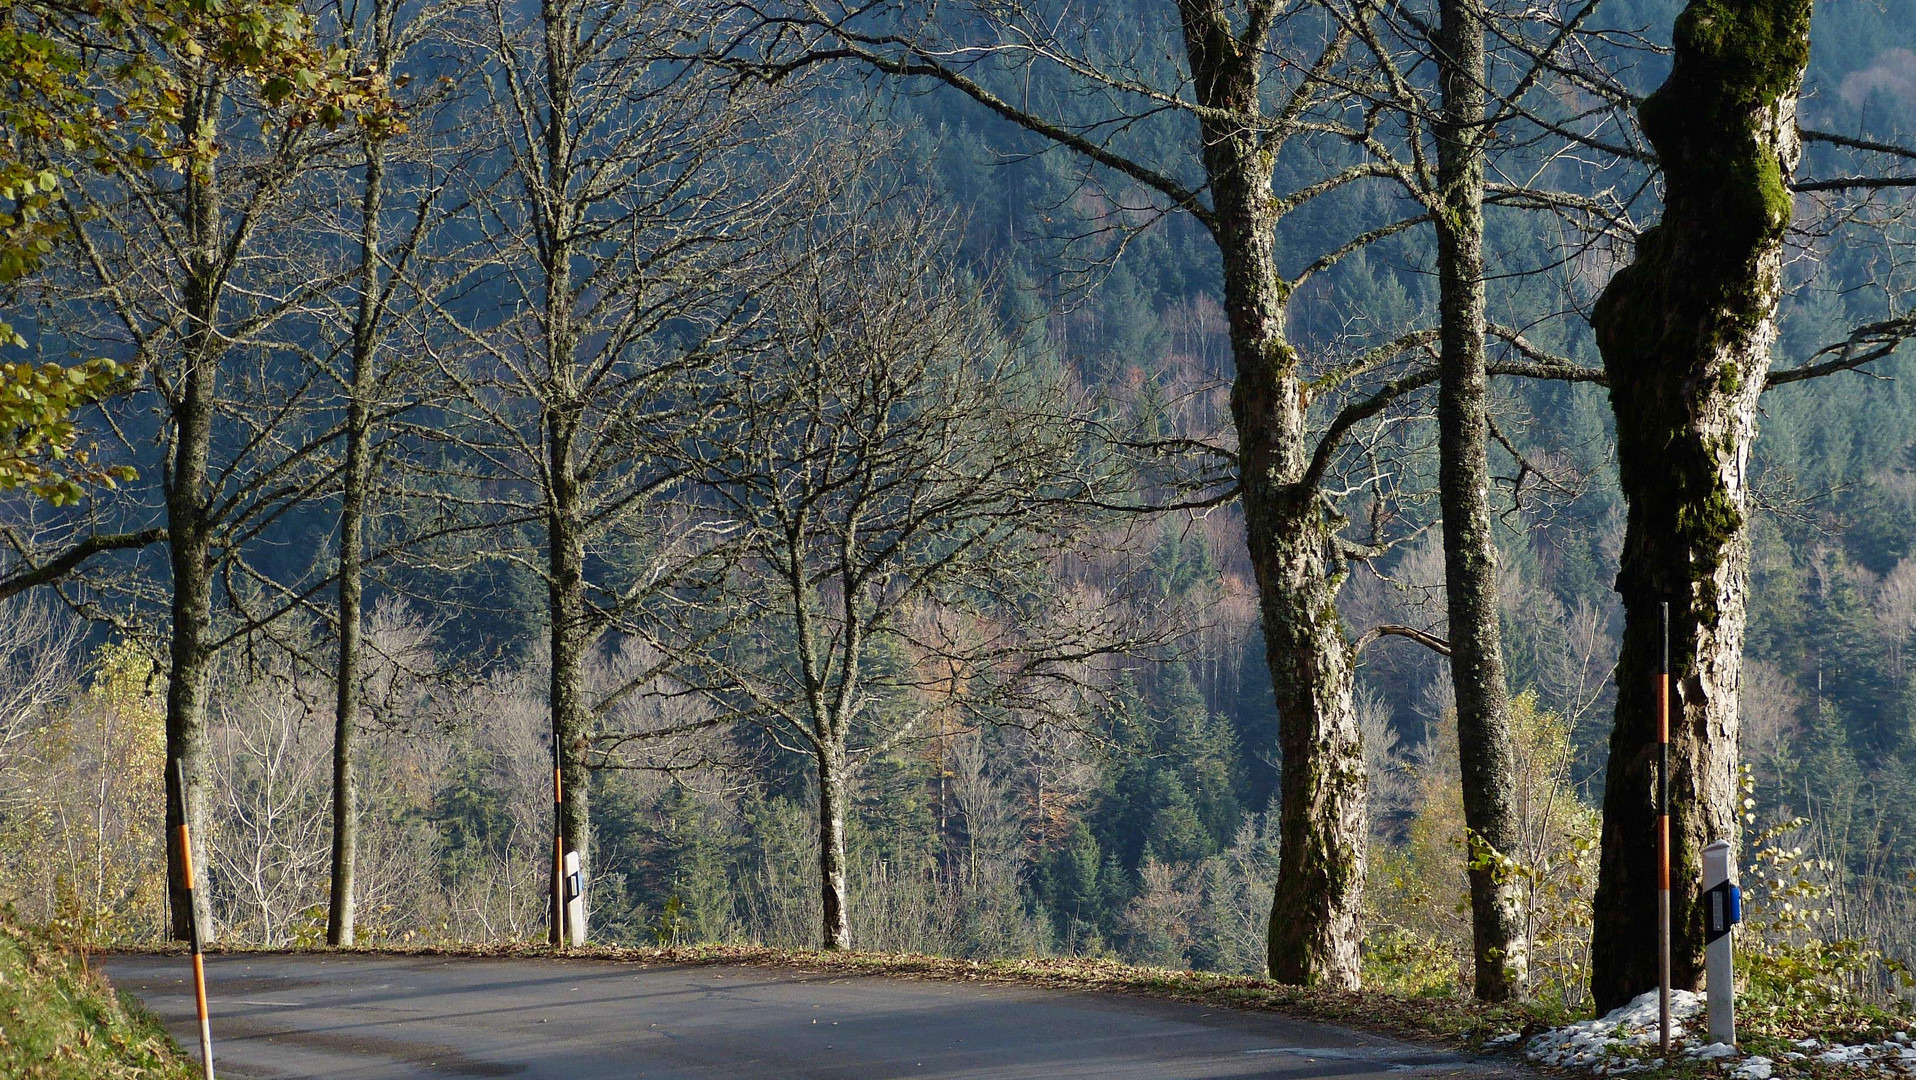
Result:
574,898
1722,909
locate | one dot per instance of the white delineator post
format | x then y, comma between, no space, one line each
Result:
1721,911
574,899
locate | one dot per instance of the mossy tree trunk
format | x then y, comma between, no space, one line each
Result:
1685,332
1324,810
190,521
1470,551
1324,825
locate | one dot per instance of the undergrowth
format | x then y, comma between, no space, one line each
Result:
59,1020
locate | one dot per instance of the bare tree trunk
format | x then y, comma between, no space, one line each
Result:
1686,331
835,929
1324,826
569,638
1324,832
1470,551
189,528
339,918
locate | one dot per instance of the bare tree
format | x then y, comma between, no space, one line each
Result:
37,648
381,376
895,489
269,797
637,188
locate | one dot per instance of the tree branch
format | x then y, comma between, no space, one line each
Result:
69,560
1429,641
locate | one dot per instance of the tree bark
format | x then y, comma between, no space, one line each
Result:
339,916
569,639
188,511
1324,822
1324,828
1685,332
1470,552
835,925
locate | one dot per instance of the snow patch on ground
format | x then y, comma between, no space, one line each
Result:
1605,1045
1622,1041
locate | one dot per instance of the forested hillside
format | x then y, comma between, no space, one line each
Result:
767,457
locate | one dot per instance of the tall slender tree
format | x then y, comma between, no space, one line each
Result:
1470,550
638,188
378,380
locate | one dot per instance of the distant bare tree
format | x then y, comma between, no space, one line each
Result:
269,846
637,189
38,648
895,490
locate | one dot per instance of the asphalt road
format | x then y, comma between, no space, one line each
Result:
383,1018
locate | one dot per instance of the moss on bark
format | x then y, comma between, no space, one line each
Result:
1685,332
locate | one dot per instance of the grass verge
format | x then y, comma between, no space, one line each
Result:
60,1020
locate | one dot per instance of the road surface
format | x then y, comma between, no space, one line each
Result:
387,1018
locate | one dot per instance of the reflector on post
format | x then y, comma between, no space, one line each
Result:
1722,909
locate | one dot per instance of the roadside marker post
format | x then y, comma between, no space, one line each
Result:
1722,909
1663,836
558,936
194,937
574,899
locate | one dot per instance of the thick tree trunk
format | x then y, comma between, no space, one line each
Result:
1685,332
1470,553
339,917
1324,825
187,673
1324,828
835,930
189,528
